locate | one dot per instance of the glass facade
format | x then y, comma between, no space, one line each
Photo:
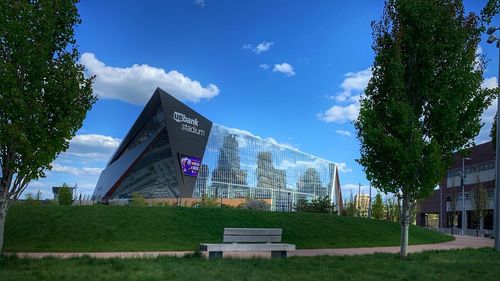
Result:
160,158
239,165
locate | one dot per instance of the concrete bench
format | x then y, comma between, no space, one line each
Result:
249,240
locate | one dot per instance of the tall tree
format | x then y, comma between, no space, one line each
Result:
392,209
424,100
480,205
378,207
453,209
44,95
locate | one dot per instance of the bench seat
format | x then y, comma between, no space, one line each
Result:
239,247
250,240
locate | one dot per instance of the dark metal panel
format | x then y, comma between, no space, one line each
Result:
188,133
145,115
115,171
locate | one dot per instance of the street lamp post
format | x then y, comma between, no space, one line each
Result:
462,177
496,203
370,202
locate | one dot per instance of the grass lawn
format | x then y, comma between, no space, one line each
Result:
126,228
481,264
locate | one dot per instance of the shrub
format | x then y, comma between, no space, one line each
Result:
302,206
29,199
256,205
64,196
137,199
317,205
207,202
378,208
33,200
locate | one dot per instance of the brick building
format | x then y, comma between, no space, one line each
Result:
479,167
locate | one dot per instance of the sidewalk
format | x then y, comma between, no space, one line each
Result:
460,242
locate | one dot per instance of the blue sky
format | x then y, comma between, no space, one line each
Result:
289,70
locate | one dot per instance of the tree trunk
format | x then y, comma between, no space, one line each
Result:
405,223
452,222
3,215
481,225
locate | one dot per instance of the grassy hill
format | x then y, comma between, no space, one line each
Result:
125,228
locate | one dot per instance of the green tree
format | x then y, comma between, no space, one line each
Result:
64,195
350,208
480,205
378,207
44,95
493,133
424,100
33,200
317,205
392,209
302,206
453,208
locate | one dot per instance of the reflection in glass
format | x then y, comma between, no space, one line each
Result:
240,165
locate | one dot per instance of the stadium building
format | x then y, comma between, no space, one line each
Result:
173,153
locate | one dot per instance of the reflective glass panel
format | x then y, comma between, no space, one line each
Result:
239,165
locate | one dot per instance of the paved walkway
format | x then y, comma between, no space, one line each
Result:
460,242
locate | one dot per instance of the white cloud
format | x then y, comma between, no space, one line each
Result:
37,184
489,83
342,166
263,47
489,114
76,171
286,145
354,83
33,190
340,114
352,89
284,68
264,66
260,48
302,164
343,133
269,139
96,147
87,188
351,189
351,186
135,84
199,3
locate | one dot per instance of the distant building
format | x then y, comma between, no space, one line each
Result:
362,202
435,211
172,153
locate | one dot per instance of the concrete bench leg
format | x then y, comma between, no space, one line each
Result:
214,255
278,254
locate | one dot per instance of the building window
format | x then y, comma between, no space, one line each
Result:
487,166
453,173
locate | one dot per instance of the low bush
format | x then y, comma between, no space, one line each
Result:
137,199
